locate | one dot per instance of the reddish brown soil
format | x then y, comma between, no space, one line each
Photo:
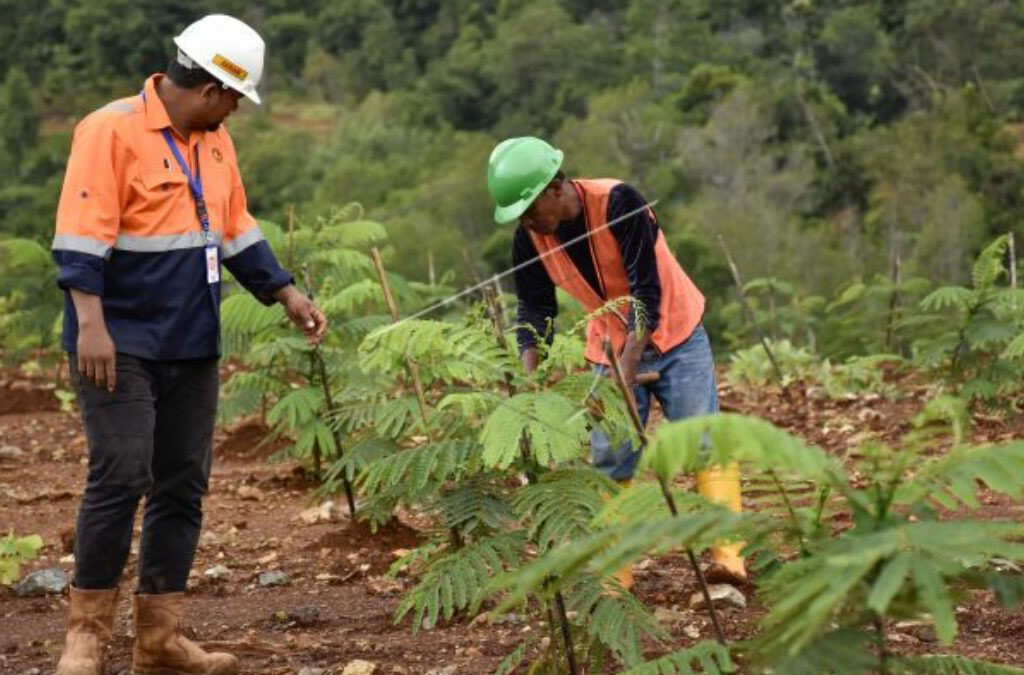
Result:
339,605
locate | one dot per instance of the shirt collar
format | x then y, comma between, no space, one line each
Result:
156,114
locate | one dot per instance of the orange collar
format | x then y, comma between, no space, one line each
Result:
156,113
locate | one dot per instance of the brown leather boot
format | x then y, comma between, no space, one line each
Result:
160,647
90,623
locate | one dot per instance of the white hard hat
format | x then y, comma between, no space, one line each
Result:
226,48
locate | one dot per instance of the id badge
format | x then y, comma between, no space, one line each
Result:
212,265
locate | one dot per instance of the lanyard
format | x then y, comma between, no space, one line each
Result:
195,186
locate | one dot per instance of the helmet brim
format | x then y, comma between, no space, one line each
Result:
506,215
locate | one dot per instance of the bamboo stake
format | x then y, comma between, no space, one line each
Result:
411,365
750,314
414,369
634,415
291,236
321,366
894,300
1013,267
497,321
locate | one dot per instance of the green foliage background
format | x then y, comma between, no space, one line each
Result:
819,137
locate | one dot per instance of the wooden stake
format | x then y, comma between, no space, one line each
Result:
894,300
634,414
291,236
497,321
414,369
1013,264
750,315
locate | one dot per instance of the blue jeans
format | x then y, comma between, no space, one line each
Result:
686,389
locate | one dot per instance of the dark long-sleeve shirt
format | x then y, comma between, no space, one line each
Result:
636,236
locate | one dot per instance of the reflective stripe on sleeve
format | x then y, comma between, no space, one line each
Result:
80,244
242,242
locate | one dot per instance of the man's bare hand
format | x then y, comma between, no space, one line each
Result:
95,350
303,313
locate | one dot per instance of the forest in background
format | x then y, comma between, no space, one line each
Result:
818,138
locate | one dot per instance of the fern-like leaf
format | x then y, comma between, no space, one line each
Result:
456,580
709,658
555,427
947,664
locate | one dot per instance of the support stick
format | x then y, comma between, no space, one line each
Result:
414,369
531,473
894,300
1013,267
321,365
750,314
634,415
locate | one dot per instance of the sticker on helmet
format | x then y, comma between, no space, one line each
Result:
231,67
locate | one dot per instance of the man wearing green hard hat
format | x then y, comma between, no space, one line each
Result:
599,240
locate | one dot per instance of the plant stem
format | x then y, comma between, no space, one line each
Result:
634,415
317,463
883,651
563,618
789,507
750,315
321,365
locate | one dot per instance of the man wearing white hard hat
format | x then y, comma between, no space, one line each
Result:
152,207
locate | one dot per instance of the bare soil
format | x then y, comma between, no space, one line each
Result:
339,603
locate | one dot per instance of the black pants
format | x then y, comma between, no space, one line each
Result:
152,437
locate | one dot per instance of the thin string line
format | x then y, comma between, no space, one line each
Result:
512,270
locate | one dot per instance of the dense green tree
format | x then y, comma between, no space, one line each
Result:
19,121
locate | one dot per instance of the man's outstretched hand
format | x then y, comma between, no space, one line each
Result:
303,313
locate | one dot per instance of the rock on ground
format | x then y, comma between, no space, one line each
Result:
360,667
721,594
42,582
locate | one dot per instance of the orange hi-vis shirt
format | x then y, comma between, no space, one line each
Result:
127,230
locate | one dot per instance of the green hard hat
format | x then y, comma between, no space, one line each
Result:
518,171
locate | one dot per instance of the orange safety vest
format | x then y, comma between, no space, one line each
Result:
682,303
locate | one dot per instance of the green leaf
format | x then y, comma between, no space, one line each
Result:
889,582
707,657
695,443
554,427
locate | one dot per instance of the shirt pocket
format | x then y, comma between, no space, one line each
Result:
164,191
158,200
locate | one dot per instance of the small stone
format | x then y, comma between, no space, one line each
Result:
691,632
359,667
249,493
383,585
311,671
49,581
67,559
11,452
305,616
268,558
721,594
922,630
476,653
274,578
667,616
447,670
218,573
